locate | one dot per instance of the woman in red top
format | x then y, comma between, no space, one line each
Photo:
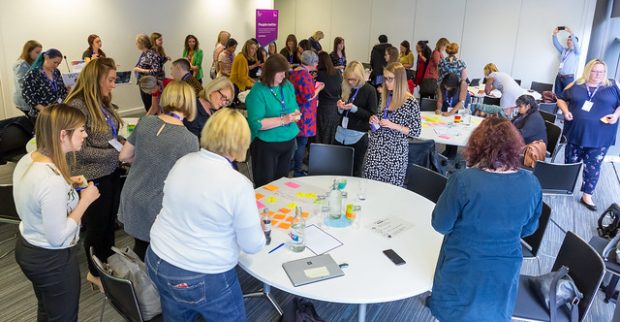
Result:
306,92
424,54
432,71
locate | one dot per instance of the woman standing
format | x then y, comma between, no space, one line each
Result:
483,213
215,95
406,57
452,95
591,107
290,50
432,69
50,212
452,64
225,60
158,45
153,148
220,45
494,79
272,112
529,121
315,45
338,55
195,272
240,70
424,54
148,64
94,49
43,85
358,104
98,159
398,120
30,52
306,94
327,113
193,53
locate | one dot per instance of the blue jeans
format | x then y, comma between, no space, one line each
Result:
300,153
185,295
561,81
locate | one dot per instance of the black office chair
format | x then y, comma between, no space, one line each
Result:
548,116
327,159
427,183
8,213
491,100
553,137
518,81
14,134
120,293
541,87
557,179
428,104
530,245
474,82
548,107
586,268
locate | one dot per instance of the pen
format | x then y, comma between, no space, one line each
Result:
273,250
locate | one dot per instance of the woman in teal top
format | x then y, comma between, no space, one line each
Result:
483,213
272,113
194,54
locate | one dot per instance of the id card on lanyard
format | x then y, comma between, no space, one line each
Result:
587,105
563,58
345,114
386,113
114,141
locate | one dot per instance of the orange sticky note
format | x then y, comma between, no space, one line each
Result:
279,216
284,225
289,219
285,210
259,196
271,187
305,214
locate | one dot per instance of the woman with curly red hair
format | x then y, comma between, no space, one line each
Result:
483,213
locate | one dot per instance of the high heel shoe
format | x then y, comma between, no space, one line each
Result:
95,282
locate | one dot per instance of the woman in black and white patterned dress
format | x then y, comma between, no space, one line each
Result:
398,119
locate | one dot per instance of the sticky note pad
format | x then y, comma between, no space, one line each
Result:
316,272
292,185
259,205
271,199
447,137
285,210
271,187
291,205
284,225
259,196
311,195
279,216
300,195
305,214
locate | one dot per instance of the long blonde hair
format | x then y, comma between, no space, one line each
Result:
355,70
50,122
88,89
401,90
588,68
221,36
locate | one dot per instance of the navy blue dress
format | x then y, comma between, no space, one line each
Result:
483,215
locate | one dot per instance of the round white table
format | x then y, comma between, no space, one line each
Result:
443,130
478,92
370,277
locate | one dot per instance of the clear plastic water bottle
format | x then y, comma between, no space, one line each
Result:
296,242
334,200
467,115
267,225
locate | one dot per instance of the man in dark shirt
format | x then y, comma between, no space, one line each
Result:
377,60
181,72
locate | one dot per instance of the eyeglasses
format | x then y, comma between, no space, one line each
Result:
389,79
223,97
351,79
600,72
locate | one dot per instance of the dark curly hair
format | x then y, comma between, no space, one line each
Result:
495,145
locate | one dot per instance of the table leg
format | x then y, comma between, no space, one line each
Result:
266,292
361,316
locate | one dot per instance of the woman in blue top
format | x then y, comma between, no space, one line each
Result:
591,107
43,85
483,213
452,95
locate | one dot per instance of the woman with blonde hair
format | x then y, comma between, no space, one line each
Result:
153,148
314,41
397,121
591,108
30,52
358,104
510,89
157,40
240,71
215,95
50,211
223,221
220,45
148,64
98,158
452,64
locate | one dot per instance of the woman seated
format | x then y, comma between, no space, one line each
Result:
215,95
201,229
483,213
529,121
452,95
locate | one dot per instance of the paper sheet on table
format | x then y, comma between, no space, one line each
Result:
390,227
70,79
320,242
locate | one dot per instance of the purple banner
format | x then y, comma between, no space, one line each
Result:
266,26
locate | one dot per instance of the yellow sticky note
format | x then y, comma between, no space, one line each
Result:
292,205
271,187
271,199
300,195
311,195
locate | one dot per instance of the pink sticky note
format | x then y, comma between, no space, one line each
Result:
259,205
447,137
292,184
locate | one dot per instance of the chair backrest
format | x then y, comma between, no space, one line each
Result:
548,107
427,183
327,159
548,116
553,136
586,268
474,82
557,178
518,81
535,240
8,213
120,293
491,100
541,87
428,104
14,134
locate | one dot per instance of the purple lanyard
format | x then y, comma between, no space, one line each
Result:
108,119
351,100
591,95
448,100
386,114
175,116
281,99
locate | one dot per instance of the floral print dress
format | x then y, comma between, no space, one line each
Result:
304,86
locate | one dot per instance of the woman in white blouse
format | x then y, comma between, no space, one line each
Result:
208,217
50,211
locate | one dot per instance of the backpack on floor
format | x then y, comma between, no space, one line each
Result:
609,222
300,310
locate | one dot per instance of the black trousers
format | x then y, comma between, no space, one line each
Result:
360,152
270,160
147,99
55,277
101,218
139,247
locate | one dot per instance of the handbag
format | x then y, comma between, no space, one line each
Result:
535,151
557,289
126,264
609,222
300,310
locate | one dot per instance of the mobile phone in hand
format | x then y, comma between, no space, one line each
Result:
561,27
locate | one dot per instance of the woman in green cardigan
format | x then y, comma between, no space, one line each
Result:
194,54
272,113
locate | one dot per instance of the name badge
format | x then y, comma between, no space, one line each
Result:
345,122
116,144
561,65
587,106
